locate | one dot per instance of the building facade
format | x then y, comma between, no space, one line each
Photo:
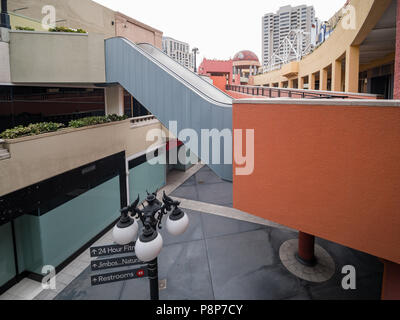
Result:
277,26
217,68
59,197
179,51
348,60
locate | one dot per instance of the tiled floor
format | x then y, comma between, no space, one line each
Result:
28,289
224,258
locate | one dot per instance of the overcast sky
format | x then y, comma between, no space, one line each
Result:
219,28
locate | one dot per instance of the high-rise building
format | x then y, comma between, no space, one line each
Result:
179,51
276,26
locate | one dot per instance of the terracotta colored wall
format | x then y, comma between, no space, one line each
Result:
331,171
219,82
238,95
222,67
397,59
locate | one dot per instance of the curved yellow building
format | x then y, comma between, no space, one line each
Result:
357,57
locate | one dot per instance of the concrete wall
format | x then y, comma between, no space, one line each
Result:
85,14
37,158
5,75
328,168
136,31
17,20
56,57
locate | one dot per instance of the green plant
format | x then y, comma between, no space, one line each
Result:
24,28
91,121
31,130
43,127
65,29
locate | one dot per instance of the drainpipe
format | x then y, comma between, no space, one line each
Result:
4,17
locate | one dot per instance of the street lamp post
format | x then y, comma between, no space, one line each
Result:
4,17
149,243
195,52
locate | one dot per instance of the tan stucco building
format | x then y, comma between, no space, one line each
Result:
87,15
357,57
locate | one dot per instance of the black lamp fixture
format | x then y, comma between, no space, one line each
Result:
4,17
149,243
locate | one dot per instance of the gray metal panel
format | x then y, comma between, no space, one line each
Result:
169,91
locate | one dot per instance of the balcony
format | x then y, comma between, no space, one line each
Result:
290,70
35,158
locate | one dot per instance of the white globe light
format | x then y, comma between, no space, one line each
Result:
148,251
126,235
177,227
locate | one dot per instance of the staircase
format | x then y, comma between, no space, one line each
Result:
4,154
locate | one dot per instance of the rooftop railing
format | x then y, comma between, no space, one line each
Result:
273,92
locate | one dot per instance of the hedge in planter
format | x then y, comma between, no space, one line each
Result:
64,29
91,121
31,130
24,28
43,127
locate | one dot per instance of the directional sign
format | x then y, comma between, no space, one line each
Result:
119,276
111,250
115,263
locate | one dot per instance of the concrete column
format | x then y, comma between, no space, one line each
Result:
352,68
114,99
337,75
301,82
291,83
306,253
311,81
323,79
396,92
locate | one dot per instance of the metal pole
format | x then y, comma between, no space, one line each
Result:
4,17
153,277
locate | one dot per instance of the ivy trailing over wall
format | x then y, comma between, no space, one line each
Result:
91,121
44,127
31,130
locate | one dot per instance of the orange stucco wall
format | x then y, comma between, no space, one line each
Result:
219,82
331,171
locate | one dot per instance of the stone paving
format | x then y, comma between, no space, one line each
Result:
224,258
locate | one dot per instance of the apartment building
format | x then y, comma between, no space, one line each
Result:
276,26
179,51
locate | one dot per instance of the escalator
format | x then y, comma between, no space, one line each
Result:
170,92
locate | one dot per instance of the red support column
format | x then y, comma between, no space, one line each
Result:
306,249
397,58
391,281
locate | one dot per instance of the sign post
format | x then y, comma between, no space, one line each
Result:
127,259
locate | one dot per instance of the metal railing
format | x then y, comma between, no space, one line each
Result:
273,92
142,119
